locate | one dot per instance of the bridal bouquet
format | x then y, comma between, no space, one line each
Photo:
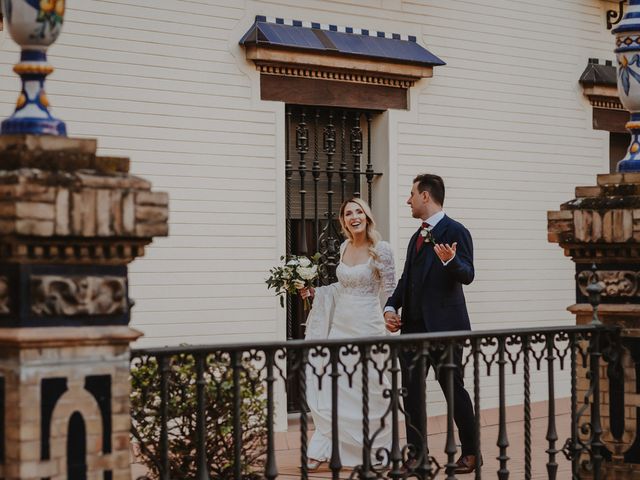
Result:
298,272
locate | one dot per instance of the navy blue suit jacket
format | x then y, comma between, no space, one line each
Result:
442,302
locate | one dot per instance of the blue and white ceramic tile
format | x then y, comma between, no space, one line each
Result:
627,51
33,25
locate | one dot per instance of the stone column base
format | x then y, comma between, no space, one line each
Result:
66,394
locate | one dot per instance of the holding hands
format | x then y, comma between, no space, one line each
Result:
392,321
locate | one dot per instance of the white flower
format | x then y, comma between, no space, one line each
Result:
293,262
308,273
298,284
304,261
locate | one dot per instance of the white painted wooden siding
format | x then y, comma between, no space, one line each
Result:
505,123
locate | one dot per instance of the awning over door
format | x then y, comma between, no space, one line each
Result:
333,39
310,63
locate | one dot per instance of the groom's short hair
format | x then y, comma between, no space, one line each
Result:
432,184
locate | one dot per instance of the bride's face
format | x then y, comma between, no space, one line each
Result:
355,219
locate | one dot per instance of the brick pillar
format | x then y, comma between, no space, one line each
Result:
70,223
601,226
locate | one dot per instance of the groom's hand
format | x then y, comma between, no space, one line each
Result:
444,251
392,321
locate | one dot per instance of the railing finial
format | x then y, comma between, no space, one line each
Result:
594,289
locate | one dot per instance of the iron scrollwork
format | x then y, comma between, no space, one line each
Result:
302,136
614,17
302,147
329,240
356,152
228,377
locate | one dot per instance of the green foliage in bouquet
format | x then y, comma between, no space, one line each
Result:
298,272
182,408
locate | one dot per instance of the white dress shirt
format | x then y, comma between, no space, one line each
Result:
434,219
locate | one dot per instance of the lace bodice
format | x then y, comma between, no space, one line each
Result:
370,278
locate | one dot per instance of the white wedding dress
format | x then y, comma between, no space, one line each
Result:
348,309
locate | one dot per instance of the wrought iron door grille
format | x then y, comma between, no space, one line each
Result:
328,160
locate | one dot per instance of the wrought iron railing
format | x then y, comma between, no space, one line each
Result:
208,411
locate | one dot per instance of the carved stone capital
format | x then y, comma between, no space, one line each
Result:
53,295
617,283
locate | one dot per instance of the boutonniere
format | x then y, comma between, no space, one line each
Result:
427,236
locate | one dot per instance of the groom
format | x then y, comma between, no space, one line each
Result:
439,261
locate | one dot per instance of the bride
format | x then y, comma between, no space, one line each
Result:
348,309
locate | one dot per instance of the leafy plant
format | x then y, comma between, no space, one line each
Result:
182,416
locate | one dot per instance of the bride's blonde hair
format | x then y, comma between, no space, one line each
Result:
373,237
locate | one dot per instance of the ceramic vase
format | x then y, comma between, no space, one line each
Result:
33,25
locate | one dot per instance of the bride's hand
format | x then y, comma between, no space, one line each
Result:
307,292
392,321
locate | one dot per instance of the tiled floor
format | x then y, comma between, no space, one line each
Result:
288,456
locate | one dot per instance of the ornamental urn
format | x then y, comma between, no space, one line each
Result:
628,55
33,25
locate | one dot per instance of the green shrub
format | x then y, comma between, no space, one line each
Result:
182,408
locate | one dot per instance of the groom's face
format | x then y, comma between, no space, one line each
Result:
418,202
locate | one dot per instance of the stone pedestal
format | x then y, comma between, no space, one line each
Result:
66,402
601,226
70,222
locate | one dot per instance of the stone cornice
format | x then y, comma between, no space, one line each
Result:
47,152
334,74
46,337
290,62
610,102
70,213
603,221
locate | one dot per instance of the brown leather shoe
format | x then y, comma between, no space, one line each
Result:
467,464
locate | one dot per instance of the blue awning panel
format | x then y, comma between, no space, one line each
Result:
289,36
329,39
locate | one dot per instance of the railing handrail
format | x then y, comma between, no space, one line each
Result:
370,340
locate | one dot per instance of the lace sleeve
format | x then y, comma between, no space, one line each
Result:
387,267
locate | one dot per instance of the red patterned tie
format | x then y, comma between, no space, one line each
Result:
420,240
